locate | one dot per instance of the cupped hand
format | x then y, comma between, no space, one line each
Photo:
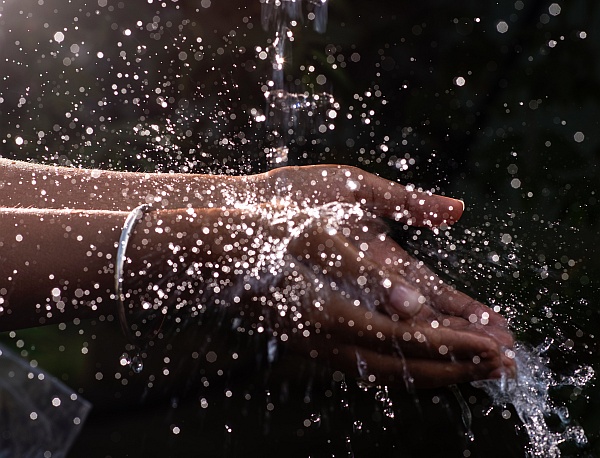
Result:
444,304
302,276
406,325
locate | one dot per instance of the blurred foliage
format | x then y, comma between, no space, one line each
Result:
492,102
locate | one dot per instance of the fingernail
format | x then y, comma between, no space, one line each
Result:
456,205
406,300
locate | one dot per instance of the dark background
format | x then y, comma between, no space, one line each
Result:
517,139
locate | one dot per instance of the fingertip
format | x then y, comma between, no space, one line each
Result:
502,336
460,203
443,211
509,362
462,206
505,366
456,208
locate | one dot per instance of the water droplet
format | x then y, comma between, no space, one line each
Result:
137,364
125,360
315,419
272,349
467,417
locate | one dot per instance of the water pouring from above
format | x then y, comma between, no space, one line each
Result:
291,114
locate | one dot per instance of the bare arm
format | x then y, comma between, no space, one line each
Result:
55,265
25,185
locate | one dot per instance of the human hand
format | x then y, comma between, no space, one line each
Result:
320,184
451,338
295,275
444,304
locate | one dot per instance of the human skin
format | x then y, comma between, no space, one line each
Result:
36,240
25,185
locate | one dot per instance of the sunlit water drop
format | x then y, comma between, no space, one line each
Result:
315,420
125,359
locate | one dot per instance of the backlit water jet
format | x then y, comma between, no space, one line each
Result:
290,113
530,395
495,259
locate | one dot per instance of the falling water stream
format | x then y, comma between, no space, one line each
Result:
290,114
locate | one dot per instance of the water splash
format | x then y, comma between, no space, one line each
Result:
517,279
529,394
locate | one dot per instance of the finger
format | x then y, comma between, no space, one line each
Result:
432,374
346,323
404,203
344,183
450,301
443,298
397,370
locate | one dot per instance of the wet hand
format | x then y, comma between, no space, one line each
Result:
401,329
444,304
304,278
320,184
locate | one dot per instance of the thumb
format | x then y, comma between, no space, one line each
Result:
402,299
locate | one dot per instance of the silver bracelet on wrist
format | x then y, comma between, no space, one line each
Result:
132,219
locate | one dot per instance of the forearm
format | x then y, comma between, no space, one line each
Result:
24,185
56,265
